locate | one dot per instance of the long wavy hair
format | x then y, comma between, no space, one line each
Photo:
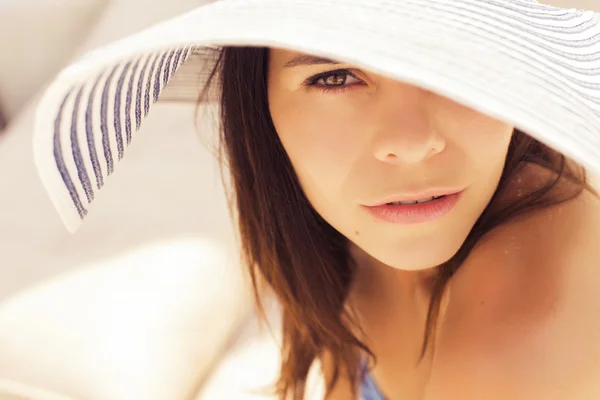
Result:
289,247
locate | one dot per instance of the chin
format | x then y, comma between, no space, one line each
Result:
417,264
423,255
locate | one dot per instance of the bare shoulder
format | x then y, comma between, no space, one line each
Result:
524,315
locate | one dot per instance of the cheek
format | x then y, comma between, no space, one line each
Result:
480,141
485,146
323,144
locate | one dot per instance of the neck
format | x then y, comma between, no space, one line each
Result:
409,283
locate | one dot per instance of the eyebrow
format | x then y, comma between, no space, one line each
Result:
307,59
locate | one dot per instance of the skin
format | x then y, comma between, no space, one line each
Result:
517,312
353,147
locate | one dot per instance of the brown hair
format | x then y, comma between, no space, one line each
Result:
287,245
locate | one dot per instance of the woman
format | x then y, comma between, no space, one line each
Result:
423,243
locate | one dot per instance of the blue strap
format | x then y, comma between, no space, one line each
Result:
368,387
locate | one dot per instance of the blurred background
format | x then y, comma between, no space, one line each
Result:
146,301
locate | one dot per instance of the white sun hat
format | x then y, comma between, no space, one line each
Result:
531,65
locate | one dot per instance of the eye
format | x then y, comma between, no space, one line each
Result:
338,80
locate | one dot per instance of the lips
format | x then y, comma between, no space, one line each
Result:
421,210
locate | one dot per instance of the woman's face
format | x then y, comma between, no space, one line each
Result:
357,139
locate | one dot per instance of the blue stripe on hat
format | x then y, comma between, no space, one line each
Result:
175,63
60,163
157,78
138,98
128,99
117,110
148,86
89,129
104,121
168,68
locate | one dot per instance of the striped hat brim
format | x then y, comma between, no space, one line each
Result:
532,65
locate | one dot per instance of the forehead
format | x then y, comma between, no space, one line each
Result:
284,58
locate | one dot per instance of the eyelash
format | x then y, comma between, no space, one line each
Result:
312,82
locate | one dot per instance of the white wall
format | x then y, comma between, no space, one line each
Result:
37,37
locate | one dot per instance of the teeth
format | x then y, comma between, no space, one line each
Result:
415,201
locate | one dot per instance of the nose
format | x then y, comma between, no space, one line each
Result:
404,130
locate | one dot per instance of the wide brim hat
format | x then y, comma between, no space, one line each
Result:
531,65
